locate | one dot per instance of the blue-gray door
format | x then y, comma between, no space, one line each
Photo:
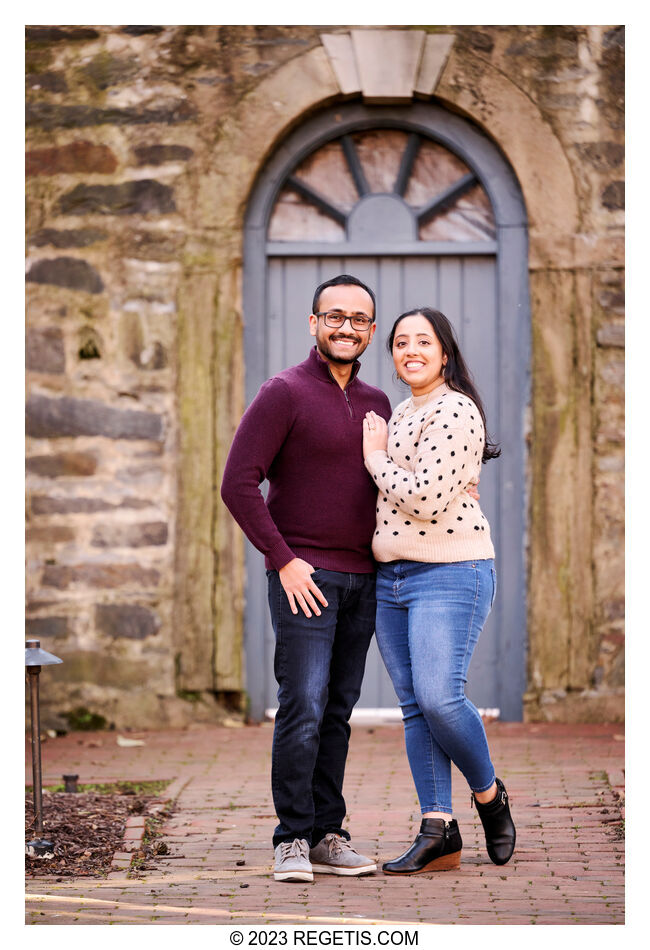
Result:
395,205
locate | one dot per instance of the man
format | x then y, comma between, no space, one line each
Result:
303,431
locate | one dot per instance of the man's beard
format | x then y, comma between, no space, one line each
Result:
324,347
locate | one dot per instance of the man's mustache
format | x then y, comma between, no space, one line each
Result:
341,336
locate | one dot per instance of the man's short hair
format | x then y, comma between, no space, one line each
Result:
343,279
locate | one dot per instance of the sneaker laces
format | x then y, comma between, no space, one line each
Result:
297,848
337,844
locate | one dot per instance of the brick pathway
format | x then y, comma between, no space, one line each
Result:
565,783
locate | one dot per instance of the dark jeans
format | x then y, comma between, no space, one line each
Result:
319,665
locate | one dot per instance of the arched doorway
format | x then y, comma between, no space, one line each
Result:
421,205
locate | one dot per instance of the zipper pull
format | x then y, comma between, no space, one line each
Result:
471,800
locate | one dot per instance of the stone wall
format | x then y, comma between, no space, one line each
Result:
142,146
576,667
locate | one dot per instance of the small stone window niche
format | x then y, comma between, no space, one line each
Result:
90,344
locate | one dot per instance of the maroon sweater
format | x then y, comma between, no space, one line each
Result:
303,433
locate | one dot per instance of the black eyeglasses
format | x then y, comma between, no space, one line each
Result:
335,319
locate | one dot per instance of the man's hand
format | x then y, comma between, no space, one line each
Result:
375,434
472,491
299,587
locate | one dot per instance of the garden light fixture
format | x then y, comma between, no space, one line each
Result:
35,658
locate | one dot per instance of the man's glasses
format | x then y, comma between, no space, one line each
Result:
335,319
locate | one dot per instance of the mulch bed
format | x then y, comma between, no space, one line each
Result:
87,828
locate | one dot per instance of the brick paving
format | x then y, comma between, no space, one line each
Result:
566,784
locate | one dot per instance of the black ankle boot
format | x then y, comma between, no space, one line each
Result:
436,848
498,825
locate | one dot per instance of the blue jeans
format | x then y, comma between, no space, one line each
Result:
429,617
319,665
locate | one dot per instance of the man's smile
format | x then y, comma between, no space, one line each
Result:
345,340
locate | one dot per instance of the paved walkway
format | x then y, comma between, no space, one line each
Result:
565,781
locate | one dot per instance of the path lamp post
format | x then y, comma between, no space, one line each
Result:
35,658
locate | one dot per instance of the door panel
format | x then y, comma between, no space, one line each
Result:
464,289
478,340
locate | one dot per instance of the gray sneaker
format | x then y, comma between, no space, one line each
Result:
335,855
292,861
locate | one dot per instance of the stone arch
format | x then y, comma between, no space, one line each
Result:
209,595
267,115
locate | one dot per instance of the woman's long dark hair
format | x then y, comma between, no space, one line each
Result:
456,374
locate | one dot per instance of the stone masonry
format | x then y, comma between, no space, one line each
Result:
140,155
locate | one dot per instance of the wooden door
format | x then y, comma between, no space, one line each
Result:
412,217
464,289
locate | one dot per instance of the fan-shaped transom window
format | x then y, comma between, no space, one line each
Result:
382,185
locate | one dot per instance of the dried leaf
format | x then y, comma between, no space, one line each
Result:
128,743
232,723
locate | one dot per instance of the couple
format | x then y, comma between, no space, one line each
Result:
351,485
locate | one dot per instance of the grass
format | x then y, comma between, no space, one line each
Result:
113,788
149,846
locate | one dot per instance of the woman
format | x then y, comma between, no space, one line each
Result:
435,583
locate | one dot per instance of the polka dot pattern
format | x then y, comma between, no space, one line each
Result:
430,443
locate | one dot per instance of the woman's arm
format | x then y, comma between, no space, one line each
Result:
445,465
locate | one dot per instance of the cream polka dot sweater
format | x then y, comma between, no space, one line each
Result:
435,446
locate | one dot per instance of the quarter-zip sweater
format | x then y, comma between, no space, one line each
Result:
435,446
304,434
